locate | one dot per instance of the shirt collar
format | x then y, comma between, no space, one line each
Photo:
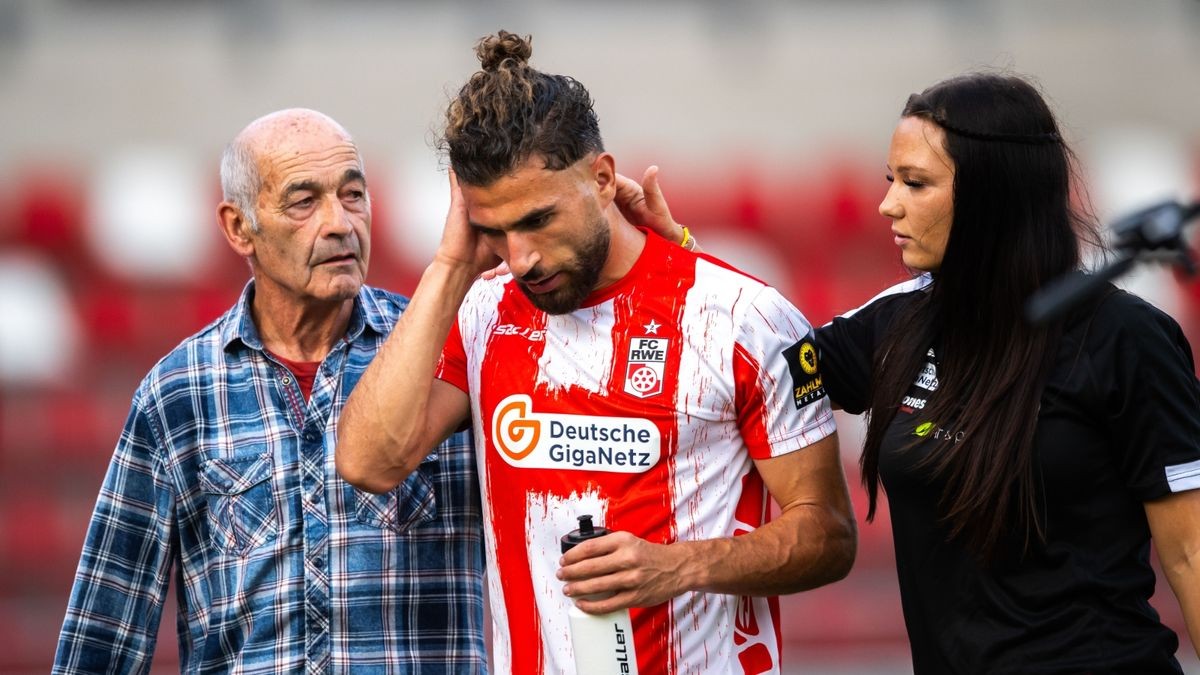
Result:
239,325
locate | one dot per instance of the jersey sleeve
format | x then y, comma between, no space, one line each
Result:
1147,376
846,346
452,365
781,405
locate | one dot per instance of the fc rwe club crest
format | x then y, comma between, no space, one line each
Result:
647,365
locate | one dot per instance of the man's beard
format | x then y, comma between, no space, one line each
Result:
581,274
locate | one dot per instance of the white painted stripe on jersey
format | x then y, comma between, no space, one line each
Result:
476,319
547,518
579,349
480,309
1183,477
501,634
914,284
706,392
710,460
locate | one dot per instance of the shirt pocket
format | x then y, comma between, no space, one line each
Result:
242,514
404,507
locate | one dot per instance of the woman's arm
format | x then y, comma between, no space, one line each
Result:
1175,527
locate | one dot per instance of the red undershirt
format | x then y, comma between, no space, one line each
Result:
304,372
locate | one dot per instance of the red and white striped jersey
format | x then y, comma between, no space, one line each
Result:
643,408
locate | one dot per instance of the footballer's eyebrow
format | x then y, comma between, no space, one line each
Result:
524,221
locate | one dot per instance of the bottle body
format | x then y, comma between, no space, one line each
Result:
603,643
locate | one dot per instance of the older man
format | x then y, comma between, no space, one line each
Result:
224,476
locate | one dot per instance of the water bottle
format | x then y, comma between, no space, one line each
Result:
603,643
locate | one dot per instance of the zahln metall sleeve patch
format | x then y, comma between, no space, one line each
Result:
806,378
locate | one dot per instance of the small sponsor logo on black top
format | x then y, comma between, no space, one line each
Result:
806,378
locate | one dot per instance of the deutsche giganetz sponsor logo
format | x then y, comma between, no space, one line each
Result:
532,440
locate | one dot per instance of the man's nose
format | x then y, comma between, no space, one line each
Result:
335,222
522,255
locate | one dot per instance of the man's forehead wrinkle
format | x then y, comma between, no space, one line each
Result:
294,166
287,160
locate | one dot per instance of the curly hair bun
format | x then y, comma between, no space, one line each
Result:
504,49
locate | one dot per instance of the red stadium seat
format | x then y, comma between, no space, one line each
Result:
47,210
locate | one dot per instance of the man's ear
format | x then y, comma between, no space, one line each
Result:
604,172
236,228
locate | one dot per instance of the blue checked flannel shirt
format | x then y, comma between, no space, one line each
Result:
224,480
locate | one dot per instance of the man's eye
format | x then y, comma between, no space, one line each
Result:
303,203
536,223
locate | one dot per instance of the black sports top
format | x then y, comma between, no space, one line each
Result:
1119,425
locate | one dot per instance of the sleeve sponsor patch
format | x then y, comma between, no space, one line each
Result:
806,377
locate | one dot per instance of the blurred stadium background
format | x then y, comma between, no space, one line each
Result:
769,120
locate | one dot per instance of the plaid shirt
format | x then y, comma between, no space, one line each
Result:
224,478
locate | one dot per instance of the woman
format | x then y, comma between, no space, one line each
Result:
1026,468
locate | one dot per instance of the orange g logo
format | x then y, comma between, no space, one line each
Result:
514,431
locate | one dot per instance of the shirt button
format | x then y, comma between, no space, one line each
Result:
319,561
310,436
287,380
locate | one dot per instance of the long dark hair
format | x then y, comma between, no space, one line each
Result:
1013,229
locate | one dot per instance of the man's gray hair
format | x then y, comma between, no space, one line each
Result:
240,180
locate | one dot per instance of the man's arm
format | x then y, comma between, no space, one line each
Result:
813,542
1175,529
117,598
398,412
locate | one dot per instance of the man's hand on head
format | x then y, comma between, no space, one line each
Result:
462,244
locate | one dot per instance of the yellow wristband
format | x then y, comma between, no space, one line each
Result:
689,242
